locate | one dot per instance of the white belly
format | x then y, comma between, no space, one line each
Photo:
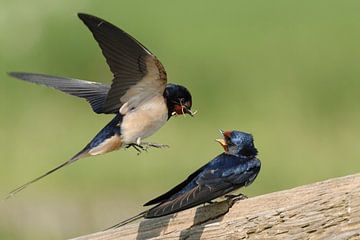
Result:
144,121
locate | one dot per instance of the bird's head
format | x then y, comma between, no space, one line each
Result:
178,100
238,143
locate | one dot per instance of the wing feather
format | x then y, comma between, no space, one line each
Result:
94,93
138,74
198,195
210,184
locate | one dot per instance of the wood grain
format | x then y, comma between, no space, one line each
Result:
324,210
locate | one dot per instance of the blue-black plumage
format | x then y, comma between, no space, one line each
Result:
237,167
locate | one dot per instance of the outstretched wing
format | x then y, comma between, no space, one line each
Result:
94,93
138,74
210,185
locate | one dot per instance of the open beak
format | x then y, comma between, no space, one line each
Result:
188,111
222,141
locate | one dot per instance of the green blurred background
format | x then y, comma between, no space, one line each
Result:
286,71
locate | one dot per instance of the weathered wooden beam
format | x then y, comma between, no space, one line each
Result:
323,210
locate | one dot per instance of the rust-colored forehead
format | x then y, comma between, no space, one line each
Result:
227,134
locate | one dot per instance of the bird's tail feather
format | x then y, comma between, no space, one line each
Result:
127,221
79,155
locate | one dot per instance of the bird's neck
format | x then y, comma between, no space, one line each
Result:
240,156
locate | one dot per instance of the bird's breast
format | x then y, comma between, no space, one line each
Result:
144,120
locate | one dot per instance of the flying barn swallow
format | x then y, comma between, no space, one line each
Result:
235,168
139,95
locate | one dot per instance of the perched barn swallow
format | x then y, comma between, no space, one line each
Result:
139,95
235,168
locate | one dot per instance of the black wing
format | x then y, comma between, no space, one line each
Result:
138,74
211,185
94,93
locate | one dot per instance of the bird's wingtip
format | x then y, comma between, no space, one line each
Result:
18,75
12,74
149,203
82,15
90,20
87,17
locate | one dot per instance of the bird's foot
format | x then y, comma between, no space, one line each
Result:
139,148
208,203
235,197
144,146
148,145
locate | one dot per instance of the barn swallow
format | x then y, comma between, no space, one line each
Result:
236,167
139,95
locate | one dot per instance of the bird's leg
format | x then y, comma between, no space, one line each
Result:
208,202
137,146
144,146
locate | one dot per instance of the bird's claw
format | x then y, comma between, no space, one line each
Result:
155,145
143,147
235,197
137,147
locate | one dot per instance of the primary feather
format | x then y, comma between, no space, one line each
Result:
94,93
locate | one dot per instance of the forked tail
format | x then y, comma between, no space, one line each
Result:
127,221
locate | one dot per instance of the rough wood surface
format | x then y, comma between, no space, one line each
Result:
324,210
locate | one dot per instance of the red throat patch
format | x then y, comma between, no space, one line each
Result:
178,109
227,134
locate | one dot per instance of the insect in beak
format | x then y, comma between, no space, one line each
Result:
188,111
182,109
